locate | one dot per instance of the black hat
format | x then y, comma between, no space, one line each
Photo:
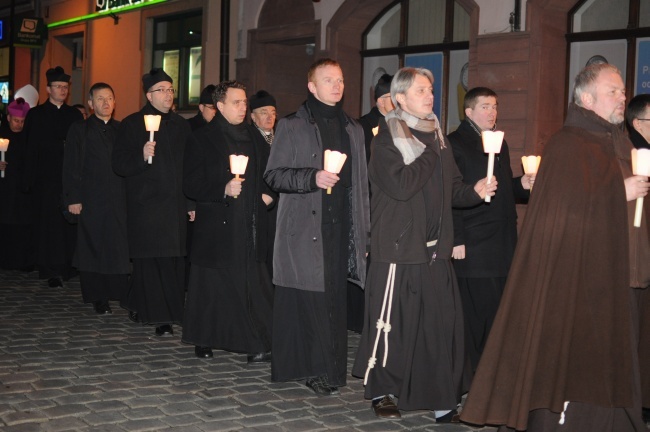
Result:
154,76
261,99
56,74
383,85
206,95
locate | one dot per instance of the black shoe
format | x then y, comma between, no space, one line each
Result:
133,316
102,307
450,417
54,282
164,330
386,408
203,352
264,357
321,387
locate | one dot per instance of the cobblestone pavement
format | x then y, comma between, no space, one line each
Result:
64,368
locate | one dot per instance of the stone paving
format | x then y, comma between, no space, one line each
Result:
64,368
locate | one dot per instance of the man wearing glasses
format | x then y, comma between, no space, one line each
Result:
46,128
156,206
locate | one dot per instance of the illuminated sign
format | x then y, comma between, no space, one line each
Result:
107,8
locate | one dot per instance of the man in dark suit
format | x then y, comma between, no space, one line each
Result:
484,235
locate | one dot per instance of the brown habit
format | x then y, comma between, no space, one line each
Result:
562,332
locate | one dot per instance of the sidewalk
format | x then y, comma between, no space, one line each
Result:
64,368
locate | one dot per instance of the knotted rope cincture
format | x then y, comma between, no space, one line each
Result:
381,324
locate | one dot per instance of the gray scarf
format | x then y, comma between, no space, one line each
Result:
399,123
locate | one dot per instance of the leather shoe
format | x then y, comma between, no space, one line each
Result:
203,352
263,357
164,330
54,282
102,307
321,387
386,408
133,316
450,417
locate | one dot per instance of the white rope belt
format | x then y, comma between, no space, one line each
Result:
386,308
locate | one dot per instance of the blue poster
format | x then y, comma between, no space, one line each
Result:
643,67
433,62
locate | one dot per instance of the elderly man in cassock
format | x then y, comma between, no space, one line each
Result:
46,129
96,194
230,295
156,206
414,360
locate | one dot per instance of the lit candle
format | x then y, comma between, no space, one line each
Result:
238,165
531,165
375,131
640,166
492,141
4,145
152,124
333,163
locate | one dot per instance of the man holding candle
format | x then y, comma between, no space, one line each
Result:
94,192
46,128
17,209
562,354
321,238
638,126
411,349
485,235
230,294
156,206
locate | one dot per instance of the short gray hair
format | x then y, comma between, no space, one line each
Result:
584,82
403,80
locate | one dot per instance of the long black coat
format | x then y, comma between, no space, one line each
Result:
220,219
156,206
488,230
17,206
89,180
46,129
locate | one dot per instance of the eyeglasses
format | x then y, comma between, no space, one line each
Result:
170,90
643,119
60,86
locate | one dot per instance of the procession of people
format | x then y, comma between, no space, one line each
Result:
400,233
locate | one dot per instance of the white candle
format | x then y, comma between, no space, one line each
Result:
640,166
531,165
492,141
238,164
4,145
151,124
333,163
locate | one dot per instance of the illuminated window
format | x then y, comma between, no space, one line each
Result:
177,49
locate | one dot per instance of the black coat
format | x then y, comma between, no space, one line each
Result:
223,223
89,180
156,206
368,122
17,206
488,230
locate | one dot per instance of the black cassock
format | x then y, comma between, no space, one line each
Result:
17,208
46,129
88,179
156,215
230,293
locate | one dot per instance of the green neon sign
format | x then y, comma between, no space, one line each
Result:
112,8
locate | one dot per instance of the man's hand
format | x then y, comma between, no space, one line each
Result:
482,187
458,252
3,166
527,181
74,208
636,187
267,199
233,188
148,149
192,215
325,179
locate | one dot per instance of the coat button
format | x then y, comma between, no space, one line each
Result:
313,212
315,239
313,155
225,222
